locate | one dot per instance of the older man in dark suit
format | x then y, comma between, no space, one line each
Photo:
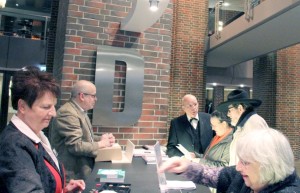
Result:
72,133
192,130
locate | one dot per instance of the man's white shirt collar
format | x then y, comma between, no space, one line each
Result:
193,123
189,118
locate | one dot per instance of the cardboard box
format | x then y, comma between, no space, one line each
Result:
109,153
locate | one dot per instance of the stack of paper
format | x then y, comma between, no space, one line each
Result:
142,152
111,175
178,185
185,152
147,150
150,159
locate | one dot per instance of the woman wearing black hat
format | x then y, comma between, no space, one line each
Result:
240,109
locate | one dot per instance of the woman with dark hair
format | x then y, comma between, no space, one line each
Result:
217,153
27,162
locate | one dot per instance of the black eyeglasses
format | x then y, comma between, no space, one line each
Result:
92,95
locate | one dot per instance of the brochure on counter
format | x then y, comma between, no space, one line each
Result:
111,175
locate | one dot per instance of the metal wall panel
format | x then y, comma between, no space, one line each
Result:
24,52
19,52
3,50
104,81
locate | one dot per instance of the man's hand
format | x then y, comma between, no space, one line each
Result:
107,140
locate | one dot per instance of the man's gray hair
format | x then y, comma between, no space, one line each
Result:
80,87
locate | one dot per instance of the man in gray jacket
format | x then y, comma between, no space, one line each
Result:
72,134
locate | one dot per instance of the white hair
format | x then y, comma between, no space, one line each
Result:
271,149
2,3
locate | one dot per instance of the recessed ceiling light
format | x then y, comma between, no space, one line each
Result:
225,4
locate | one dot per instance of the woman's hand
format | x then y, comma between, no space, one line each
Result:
74,186
174,165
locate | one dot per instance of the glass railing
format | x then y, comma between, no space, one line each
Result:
24,24
23,33
224,12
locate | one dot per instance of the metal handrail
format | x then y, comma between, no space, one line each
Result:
217,19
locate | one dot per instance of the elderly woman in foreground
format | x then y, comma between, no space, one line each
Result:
266,165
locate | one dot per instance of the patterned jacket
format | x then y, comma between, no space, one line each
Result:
228,180
22,166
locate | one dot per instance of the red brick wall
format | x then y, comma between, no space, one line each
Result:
264,86
276,83
187,65
119,87
218,95
173,49
92,23
287,95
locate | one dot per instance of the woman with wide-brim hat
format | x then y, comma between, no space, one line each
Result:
241,110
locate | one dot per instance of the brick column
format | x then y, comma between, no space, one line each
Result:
56,41
190,20
276,77
287,95
264,86
218,95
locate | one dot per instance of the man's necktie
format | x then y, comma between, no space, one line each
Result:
194,122
193,119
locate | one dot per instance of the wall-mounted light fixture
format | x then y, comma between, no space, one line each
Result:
220,25
153,5
225,4
140,17
2,3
